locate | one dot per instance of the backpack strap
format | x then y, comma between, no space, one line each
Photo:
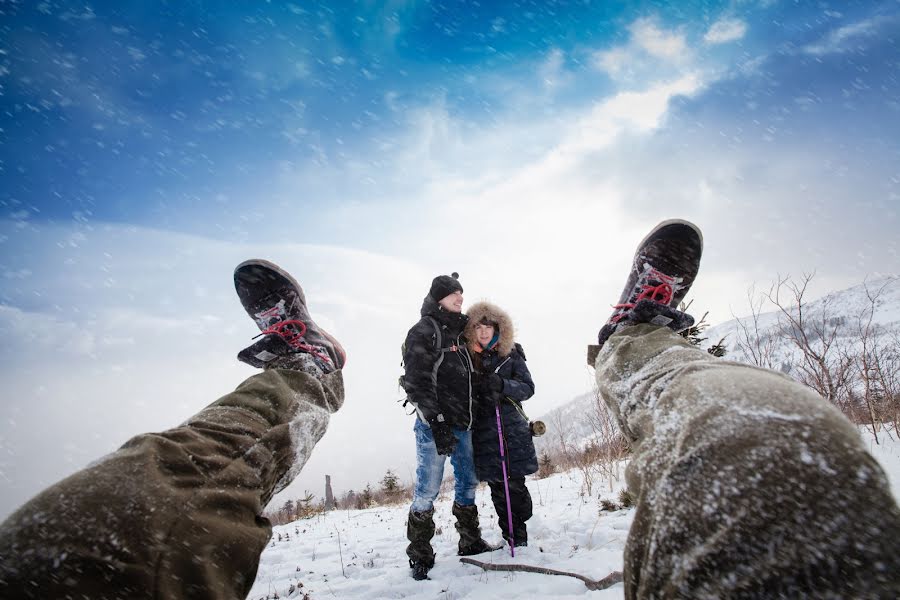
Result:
438,338
438,342
518,408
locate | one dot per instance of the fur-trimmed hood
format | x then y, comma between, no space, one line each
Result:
494,313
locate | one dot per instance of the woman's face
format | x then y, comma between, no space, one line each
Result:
484,333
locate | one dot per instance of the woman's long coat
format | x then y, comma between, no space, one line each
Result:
507,359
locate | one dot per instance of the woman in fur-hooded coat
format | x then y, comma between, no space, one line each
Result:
502,378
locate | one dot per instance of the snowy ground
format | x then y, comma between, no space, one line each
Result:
360,553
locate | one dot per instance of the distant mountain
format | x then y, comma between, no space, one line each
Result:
572,416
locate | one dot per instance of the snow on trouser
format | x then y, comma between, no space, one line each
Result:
176,514
748,484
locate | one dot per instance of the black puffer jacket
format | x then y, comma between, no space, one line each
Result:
507,359
438,380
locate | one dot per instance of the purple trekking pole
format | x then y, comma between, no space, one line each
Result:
512,544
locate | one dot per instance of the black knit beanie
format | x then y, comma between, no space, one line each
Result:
444,285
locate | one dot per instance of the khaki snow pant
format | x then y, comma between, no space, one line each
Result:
747,484
176,514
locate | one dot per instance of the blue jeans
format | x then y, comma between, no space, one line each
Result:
430,468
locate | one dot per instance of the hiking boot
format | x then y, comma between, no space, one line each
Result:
419,531
420,569
478,547
664,268
470,541
290,338
520,534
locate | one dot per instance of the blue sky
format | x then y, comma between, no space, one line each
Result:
146,148
148,112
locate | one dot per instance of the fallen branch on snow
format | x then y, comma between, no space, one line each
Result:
592,584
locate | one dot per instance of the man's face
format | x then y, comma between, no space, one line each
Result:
453,302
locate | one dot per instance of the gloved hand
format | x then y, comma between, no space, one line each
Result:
443,437
491,386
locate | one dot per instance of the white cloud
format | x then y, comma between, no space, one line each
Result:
669,46
641,110
613,61
626,113
650,52
725,30
843,38
32,331
136,54
552,71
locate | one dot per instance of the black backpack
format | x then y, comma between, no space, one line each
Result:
438,343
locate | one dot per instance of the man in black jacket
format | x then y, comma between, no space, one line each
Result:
438,381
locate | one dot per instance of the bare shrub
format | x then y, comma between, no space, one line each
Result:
849,359
564,440
876,364
607,505
825,362
625,498
294,509
594,451
611,445
755,343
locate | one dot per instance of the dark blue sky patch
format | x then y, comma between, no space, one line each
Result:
142,112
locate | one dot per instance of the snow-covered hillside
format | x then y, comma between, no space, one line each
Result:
568,419
843,309
360,553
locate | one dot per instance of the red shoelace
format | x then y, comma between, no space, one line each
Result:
661,293
292,332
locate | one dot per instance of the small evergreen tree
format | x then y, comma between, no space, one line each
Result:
304,505
365,499
390,483
545,465
288,510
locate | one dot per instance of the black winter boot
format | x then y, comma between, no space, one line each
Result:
520,531
419,531
420,569
470,541
520,500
